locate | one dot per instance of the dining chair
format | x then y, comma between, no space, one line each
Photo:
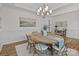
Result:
61,31
41,49
60,49
30,43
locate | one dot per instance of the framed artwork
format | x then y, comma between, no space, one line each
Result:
61,23
27,22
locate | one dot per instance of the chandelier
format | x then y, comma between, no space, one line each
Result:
44,11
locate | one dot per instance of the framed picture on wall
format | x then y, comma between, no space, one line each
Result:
61,23
27,22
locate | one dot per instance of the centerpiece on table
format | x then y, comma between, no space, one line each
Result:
44,31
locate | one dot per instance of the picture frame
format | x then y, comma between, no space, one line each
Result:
27,22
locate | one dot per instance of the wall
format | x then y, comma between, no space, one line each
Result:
11,31
66,9
72,19
69,13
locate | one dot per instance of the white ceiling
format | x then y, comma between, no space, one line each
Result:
34,6
58,8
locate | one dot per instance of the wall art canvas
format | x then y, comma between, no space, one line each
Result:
27,22
61,23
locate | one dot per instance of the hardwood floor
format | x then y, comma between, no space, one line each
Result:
72,43
10,50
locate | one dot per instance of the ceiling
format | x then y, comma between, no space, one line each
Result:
32,7
35,6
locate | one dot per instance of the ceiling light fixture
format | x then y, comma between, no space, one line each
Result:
44,11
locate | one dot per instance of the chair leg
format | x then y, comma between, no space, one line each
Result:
64,53
30,51
34,50
27,46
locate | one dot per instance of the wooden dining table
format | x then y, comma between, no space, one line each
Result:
48,40
41,39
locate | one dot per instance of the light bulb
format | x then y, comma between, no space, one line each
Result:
50,11
46,8
40,8
47,13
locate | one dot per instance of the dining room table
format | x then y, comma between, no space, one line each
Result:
50,40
